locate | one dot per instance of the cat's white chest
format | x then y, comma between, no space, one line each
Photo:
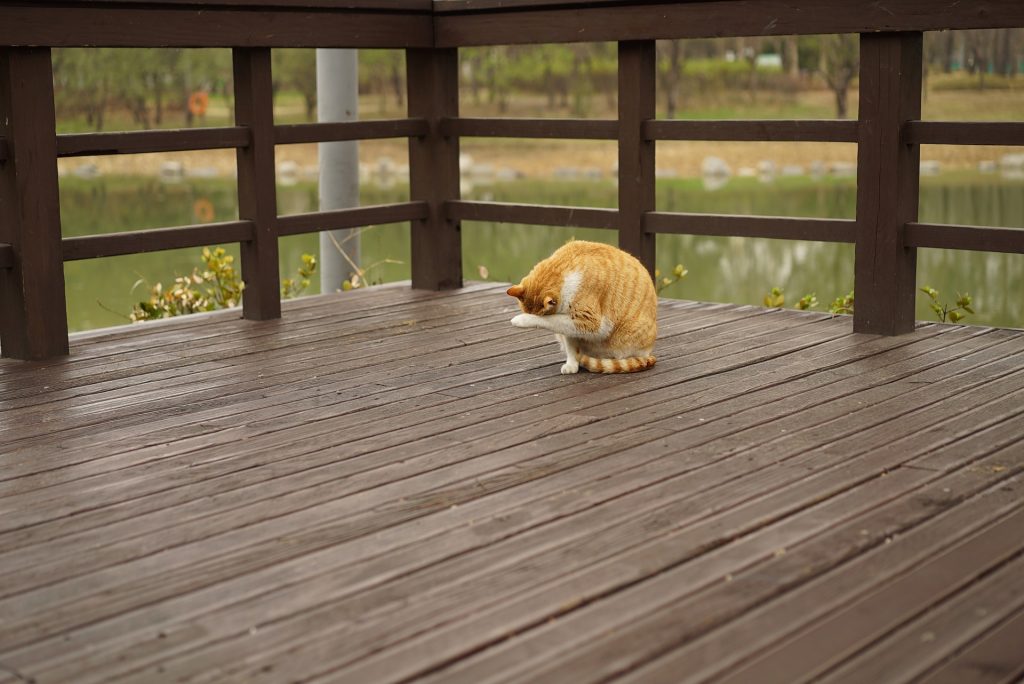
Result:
570,286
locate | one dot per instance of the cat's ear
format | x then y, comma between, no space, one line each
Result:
550,303
515,291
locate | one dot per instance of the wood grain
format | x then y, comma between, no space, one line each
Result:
888,180
369,455
257,188
33,320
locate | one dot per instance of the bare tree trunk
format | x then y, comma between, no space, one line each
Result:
670,80
948,51
791,57
841,106
1004,52
158,93
398,84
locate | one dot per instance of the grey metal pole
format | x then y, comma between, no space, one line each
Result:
337,88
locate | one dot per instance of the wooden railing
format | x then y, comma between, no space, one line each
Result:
888,133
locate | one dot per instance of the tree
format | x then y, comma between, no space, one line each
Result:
671,54
381,71
840,62
295,68
791,57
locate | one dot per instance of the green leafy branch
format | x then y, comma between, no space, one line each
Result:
661,282
293,288
945,312
216,286
776,298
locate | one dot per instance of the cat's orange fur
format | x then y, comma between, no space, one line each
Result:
599,301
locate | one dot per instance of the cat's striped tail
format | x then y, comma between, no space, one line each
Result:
630,365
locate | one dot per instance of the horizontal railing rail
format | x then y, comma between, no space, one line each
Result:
753,131
381,214
775,227
532,214
566,129
141,142
964,133
155,240
888,133
976,238
350,130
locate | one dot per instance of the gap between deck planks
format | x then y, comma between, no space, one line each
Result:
287,533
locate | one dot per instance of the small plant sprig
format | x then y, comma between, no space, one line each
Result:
775,298
293,288
217,286
944,311
842,305
808,301
660,283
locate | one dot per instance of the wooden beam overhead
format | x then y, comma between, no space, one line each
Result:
559,22
106,26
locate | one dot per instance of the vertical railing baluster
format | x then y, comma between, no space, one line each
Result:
637,79
436,243
33,313
887,182
257,191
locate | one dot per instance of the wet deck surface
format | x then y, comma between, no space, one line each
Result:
391,485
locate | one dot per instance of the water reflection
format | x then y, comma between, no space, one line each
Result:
720,269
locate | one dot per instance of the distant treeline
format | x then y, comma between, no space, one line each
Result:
154,85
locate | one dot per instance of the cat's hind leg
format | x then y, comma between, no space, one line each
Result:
572,364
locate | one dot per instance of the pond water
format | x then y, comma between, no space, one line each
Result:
101,292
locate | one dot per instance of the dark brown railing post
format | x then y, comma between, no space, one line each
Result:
33,314
887,182
637,74
257,190
436,242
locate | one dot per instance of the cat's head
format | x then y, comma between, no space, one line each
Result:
534,299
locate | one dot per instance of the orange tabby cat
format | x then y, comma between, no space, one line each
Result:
599,301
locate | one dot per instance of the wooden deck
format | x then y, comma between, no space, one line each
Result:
391,485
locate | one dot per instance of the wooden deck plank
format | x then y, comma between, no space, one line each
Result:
861,622
90,372
370,366
289,404
946,628
259,491
305,430
367,365
637,622
352,342
94,370
356,340
708,656
308,496
495,624
993,658
438,502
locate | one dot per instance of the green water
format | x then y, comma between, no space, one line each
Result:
738,270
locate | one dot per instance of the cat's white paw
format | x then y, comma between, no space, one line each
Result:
570,368
523,320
